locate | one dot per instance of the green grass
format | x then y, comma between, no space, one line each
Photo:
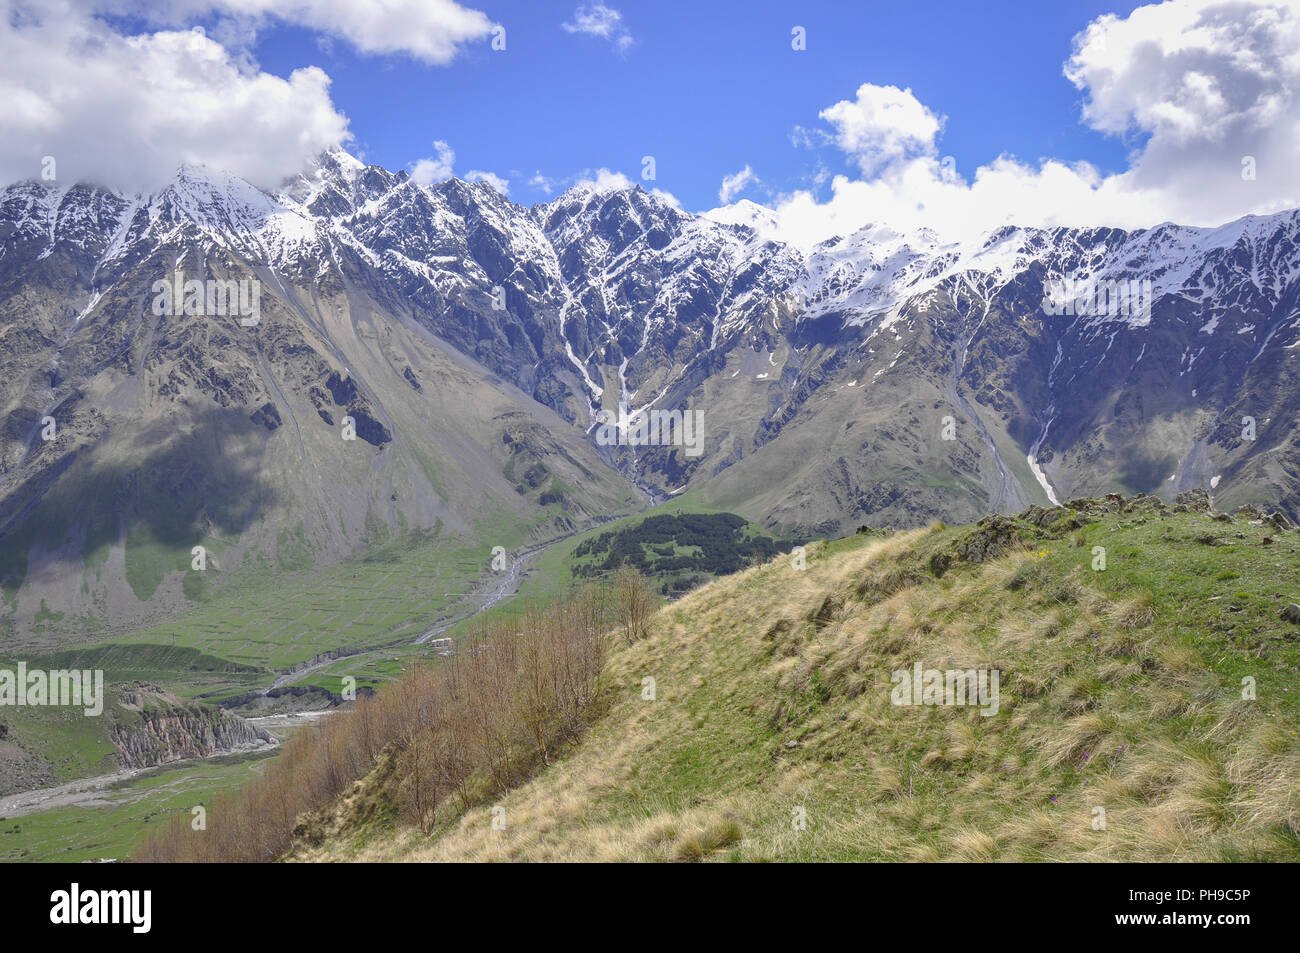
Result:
253,626
235,642
135,806
385,598
1121,689
74,745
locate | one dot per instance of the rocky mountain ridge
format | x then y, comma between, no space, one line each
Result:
880,377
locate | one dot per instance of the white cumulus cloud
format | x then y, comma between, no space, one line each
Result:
120,92
733,185
606,180
596,19
882,126
124,111
1207,91
491,178
436,168
542,183
1211,83
432,31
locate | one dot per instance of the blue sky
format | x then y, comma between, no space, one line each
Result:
952,116
707,89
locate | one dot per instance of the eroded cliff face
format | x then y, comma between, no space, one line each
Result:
142,726
166,729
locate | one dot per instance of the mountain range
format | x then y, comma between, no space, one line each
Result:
418,360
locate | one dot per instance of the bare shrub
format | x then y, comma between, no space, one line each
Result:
634,603
463,728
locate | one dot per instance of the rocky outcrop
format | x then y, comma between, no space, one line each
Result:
166,729
1197,500
994,536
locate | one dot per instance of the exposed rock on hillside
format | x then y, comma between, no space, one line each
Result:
165,728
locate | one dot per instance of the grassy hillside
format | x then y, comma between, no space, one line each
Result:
1121,731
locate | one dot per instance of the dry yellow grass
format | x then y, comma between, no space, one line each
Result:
771,734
